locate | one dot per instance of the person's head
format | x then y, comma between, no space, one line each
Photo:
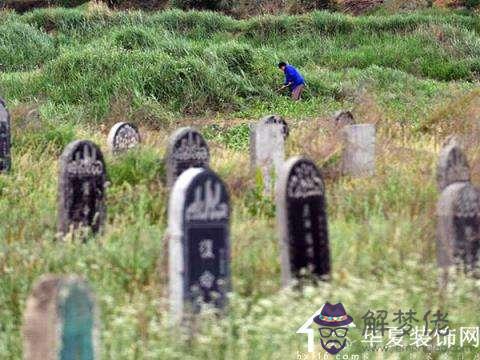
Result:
281,65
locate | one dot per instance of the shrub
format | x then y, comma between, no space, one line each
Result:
237,57
134,167
134,38
23,47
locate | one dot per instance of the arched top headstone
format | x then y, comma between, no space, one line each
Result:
81,193
343,117
458,227
123,136
199,244
186,148
5,137
275,120
452,165
302,220
61,320
301,178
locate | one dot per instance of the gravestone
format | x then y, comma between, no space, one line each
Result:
122,136
342,118
81,193
267,154
302,220
458,226
60,321
452,165
199,242
187,148
5,137
358,158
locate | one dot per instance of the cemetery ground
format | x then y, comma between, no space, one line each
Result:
414,75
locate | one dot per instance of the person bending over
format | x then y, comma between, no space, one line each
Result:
293,80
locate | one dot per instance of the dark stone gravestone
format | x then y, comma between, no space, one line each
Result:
267,154
122,136
452,165
187,148
458,211
81,193
302,221
5,138
342,118
199,242
458,226
60,321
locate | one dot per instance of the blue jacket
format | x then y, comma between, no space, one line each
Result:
293,76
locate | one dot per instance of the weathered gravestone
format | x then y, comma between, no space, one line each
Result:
199,242
302,220
123,136
342,118
358,157
458,227
60,321
81,193
187,148
5,159
452,165
267,139
458,210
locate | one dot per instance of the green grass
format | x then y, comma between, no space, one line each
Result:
414,74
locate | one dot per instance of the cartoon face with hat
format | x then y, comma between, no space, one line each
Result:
334,323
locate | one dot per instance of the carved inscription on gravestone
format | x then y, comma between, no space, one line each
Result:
187,148
302,220
123,136
81,194
199,247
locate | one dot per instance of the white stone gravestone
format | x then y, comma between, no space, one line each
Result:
267,148
358,158
122,136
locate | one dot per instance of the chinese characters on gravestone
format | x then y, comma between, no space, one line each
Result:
199,242
81,193
267,139
302,220
5,159
358,157
187,148
60,320
123,136
458,211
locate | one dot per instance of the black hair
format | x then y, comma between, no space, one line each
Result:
281,64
